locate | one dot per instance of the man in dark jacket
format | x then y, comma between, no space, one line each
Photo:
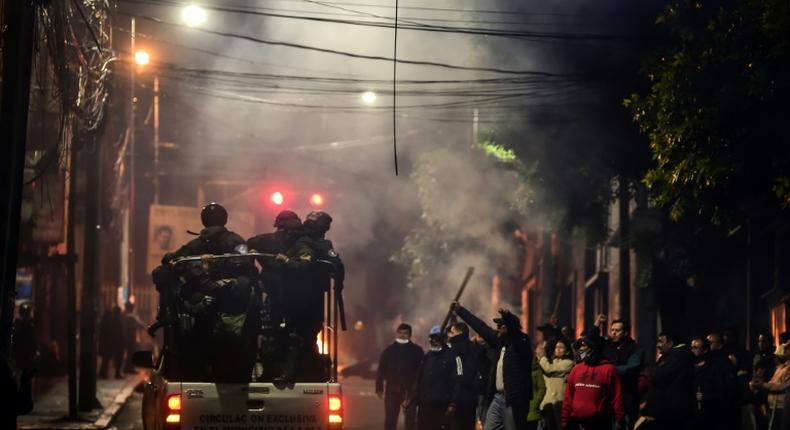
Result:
396,373
510,385
714,383
671,399
437,385
110,342
466,356
629,360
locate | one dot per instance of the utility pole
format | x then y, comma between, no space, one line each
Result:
156,139
91,276
71,283
18,19
132,156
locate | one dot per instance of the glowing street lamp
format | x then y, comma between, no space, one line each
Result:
142,58
369,97
193,15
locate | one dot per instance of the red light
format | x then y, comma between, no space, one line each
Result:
174,402
317,199
335,404
277,198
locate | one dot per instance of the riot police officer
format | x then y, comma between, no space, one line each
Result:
210,301
213,239
301,305
316,225
287,228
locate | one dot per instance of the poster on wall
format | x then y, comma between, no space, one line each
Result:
168,228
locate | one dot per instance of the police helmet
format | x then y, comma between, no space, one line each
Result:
318,221
287,219
213,215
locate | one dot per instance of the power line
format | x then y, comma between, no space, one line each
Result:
526,35
256,75
349,54
215,53
409,18
260,82
438,9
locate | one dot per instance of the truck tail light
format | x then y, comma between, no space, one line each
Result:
335,403
174,402
335,406
173,410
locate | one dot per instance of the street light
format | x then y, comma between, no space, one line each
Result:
142,58
369,97
193,15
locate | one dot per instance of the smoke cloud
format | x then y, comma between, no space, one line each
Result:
450,202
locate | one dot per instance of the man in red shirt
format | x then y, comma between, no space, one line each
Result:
592,396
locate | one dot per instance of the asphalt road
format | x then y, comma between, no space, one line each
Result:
363,410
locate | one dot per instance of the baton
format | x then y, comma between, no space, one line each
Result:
468,276
341,308
176,261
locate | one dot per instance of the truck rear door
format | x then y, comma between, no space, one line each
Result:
260,406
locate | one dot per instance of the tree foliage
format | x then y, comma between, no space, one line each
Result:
716,113
471,201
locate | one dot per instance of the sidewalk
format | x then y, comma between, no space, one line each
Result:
51,408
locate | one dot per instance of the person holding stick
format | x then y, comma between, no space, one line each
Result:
510,384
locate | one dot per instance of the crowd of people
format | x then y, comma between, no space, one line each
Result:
602,379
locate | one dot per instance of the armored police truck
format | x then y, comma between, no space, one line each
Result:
223,360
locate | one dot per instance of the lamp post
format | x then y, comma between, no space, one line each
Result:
141,59
156,139
192,16
132,119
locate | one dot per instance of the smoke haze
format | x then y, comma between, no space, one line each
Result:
318,134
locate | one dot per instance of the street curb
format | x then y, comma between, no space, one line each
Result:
109,412
101,423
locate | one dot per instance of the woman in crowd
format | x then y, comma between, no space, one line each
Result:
555,373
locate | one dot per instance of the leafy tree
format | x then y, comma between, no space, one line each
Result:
716,113
471,202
